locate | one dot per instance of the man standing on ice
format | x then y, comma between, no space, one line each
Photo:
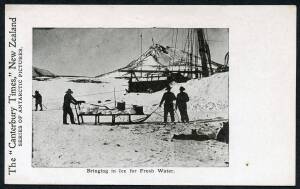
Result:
168,98
38,100
68,99
181,100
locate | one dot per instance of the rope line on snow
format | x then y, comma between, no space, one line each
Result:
91,94
98,93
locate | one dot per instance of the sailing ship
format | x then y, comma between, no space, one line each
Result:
160,65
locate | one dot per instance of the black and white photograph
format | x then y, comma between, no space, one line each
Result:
130,97
150,95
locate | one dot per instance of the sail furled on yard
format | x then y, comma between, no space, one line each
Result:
160,57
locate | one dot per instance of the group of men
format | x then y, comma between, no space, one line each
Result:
68,99
168,98
181,103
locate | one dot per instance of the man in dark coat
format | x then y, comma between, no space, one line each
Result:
168,99
38,100
68,99
181,100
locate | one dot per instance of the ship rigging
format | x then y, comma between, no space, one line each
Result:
156,68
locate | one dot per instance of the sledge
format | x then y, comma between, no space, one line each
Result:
130,119
104,111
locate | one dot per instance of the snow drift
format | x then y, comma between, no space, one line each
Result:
208,97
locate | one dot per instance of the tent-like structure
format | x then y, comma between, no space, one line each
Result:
160,65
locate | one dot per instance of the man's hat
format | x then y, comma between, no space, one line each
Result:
69,91
181,88
36,91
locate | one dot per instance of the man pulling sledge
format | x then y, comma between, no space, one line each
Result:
68,99
168,99
181,100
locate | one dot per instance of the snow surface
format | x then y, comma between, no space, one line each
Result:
58,145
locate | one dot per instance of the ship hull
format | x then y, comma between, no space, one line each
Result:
147,86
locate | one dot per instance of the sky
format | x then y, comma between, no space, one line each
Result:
94,51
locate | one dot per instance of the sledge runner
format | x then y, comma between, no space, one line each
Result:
38,100
168,99
68,99
181,100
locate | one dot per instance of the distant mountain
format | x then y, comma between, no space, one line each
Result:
37,72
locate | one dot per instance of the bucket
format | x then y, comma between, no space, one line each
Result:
138,110
121,106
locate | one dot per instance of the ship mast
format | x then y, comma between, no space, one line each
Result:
141,44
141,51
204,53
